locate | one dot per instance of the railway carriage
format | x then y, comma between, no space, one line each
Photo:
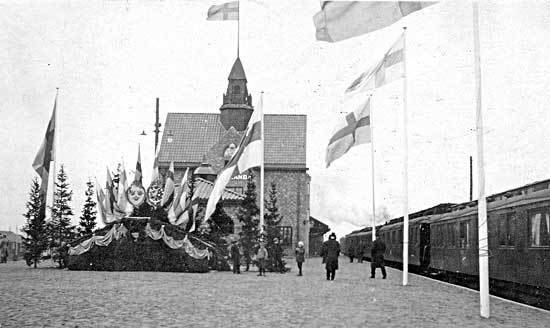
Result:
444,238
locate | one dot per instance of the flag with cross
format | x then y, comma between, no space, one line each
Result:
354,130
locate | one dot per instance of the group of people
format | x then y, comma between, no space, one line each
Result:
330,252
273,255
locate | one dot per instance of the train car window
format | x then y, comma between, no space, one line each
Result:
399,236
512,229
450,237
464,234
507,229
539,221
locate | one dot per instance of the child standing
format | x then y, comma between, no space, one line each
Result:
300,256
261,257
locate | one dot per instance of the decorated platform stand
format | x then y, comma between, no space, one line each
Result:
146,240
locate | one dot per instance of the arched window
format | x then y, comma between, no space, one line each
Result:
236,89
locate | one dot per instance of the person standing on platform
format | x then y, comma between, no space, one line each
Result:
377,255
330,252
360,253
261,258
300,256
277,250
235,256
350,254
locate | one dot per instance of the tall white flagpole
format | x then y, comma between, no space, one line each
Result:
372,163
405,168
261,109
55,149
238,26
482,203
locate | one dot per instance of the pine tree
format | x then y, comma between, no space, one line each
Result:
220,223
89,212
36,240
61,231
248,214
272,217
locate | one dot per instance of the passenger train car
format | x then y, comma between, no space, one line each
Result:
444,239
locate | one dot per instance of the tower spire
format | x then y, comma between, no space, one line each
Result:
237,102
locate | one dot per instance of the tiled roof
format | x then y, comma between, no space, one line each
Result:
10,236
204,189
195,133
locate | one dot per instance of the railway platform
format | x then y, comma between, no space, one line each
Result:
47,297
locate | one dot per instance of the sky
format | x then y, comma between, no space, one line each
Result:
111,59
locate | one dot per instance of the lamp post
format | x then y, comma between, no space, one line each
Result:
157,126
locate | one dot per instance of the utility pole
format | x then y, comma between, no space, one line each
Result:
471,180
157,126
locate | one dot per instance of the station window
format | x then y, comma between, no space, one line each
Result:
464,232
539,222
507,229
286,236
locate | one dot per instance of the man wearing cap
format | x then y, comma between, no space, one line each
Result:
330,252
278,256
235,256
377,255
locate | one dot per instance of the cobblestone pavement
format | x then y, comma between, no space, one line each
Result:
47,297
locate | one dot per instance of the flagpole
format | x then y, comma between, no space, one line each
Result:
261,109
238,26
484,307
55,151
372,164
405,168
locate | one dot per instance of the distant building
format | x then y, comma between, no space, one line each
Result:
211,139
11,243
316,231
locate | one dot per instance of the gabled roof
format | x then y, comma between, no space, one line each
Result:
237,71
204,189
317,227
195,133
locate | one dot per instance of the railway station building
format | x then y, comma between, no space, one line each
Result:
205,142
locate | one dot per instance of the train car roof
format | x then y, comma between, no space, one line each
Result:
527,196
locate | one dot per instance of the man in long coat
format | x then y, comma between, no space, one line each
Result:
330,252
235,256
377,254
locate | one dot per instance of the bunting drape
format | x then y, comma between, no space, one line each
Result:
118,230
